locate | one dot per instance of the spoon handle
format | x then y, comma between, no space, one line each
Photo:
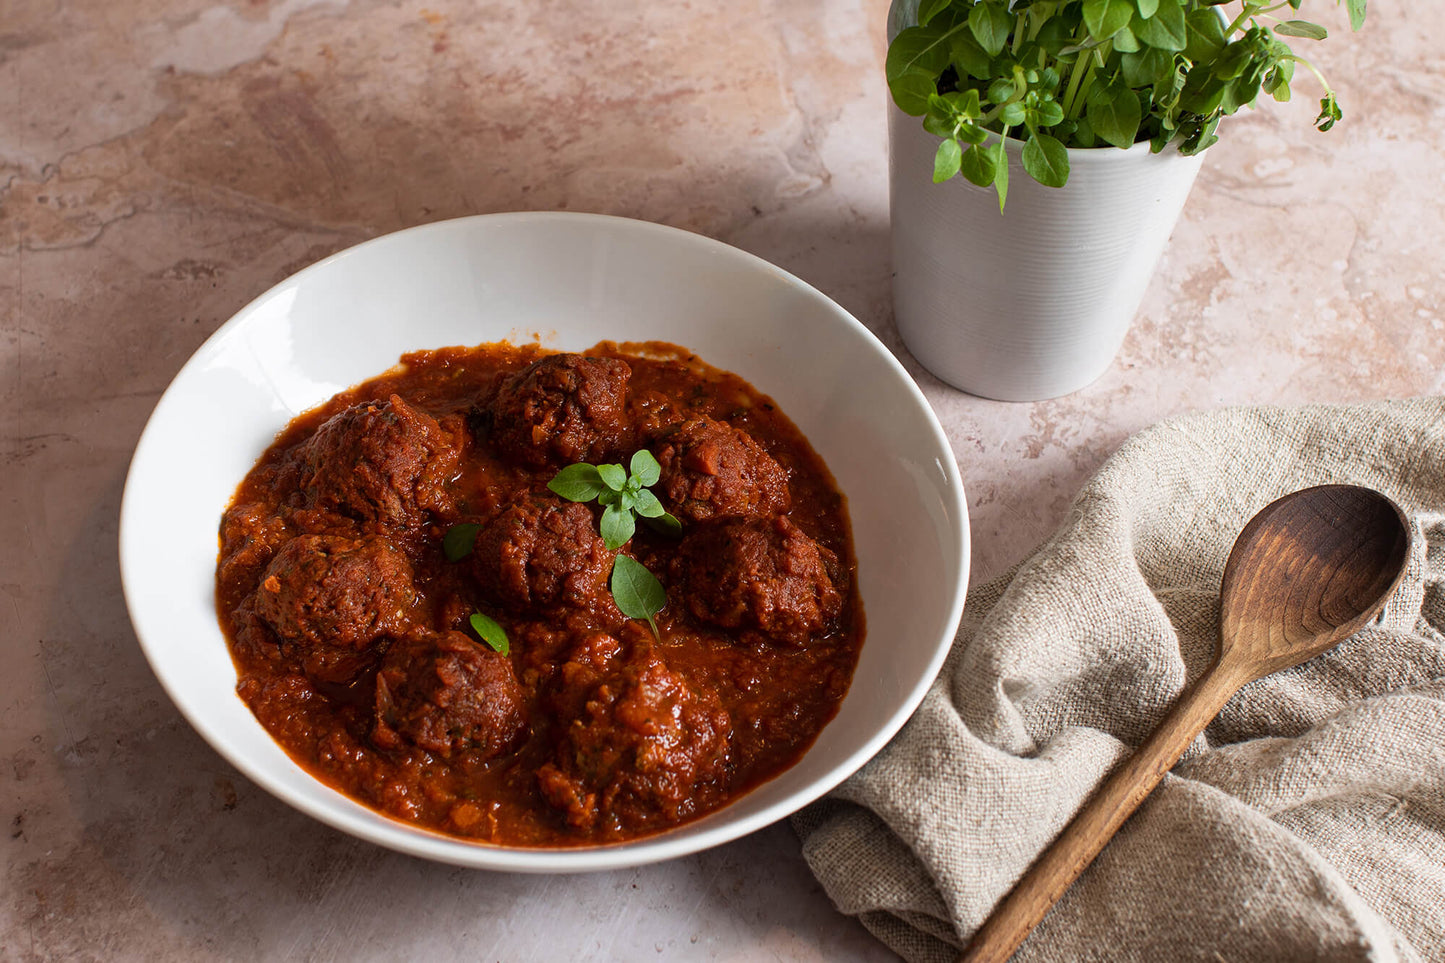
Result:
1095,824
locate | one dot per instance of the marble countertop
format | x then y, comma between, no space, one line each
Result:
164,161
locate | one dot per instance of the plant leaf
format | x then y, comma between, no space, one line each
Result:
1301,28
578,483
1000,176
1144,68
1167,29
1046,160
617,526
1357,13
1104,18
644,467
968,56
918,48
490,632
1114,117
1147,8
1205,34
1329,112
990,23
458,541
664,524
977,165
912,89
1050,112
929,9
637,592
945,160
613,476
648,506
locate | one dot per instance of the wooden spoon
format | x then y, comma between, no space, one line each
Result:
1308,571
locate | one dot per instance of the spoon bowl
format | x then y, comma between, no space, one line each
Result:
1307,571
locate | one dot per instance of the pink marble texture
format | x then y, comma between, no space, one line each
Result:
164,161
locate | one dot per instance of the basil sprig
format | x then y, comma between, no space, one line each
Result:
623,494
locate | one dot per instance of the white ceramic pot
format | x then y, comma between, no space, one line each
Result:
1035,302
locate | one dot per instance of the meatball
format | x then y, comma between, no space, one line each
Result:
330,599
712,470
542,553
250,535
448,694
644,751
379,461
760,577
562,409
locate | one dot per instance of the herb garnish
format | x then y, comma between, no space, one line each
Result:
637,592
623,494
490,632
458,541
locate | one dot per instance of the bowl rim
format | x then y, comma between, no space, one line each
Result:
429,844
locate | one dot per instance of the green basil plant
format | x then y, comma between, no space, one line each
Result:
1090,73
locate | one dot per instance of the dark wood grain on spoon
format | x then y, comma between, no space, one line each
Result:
1308,571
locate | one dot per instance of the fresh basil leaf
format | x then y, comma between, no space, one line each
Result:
1143,69
578,483
1166,30
1357,14
929,9
917,48
664,524
1000,176
968,56
912,89
490,632
990,23
617,527
1276,82
1046,160
613,476
939,120
1104,18
644,467
609,497
971,134
1301,28
637,592
1147,8
1205,33
945,160
458,541
1115,116
648,506
1000,90
1050,113
977,165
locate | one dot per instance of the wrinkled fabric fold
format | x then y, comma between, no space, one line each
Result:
1307,822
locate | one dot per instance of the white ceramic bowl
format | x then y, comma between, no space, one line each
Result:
571,280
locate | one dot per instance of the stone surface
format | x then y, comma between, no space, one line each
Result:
164,161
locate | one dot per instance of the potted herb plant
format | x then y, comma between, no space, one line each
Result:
1082,123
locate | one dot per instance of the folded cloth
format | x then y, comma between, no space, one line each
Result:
1306,823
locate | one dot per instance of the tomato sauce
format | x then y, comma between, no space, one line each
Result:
352,628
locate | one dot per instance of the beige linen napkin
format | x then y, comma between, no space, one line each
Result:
1307,823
